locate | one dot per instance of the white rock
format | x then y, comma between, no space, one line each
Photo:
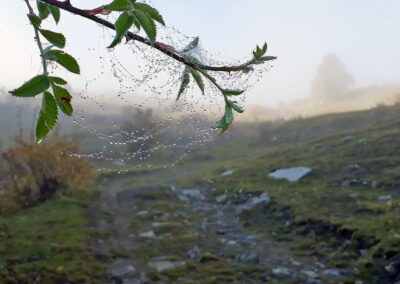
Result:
227,173
221,198
385,198
161,266
290,174
149,234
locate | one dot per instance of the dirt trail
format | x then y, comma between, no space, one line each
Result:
156,233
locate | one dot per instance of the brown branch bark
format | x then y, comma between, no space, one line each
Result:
66,5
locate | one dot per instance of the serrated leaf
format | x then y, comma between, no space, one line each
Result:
228,92
55,12
43,8
193,44
185,82
58,80
228,114
49,110
63,99
226,120
119,5
41,128
197,77
64,59
33,87
153,13
122,25
54,38
147,24
35,20
234,106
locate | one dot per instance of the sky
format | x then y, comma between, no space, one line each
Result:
364,34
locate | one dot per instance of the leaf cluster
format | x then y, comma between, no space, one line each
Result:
54,96
135,13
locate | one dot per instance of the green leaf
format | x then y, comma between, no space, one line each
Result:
234,106
35,20
33,87
56,39
41,128
153,13
228,92
48,116
193,44
185,82
58,80
64,59
228,114
119,5
197,77
63,99
122,25
226,120
49,110
43,8
55,12
147,23
263,59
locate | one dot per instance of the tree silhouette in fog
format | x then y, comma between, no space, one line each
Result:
331,81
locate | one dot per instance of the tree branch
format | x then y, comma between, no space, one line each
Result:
66,5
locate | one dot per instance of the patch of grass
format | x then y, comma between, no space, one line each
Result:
48,243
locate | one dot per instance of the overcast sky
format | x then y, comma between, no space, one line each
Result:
365,34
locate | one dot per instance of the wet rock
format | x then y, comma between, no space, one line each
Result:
347,138
384,198
158,224
194,252
250,204
149,235
221,198
290,174
122,268
332,273
284,271
227,173
161,266
310,273
353,195
247,257
144,212
193,193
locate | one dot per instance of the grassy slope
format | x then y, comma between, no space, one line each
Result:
48,243
320,200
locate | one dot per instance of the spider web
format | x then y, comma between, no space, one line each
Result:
147,79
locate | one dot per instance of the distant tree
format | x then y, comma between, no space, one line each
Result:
131,13
331,80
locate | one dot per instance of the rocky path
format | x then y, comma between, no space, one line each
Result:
157,233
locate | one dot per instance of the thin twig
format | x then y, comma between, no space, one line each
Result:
37,37
66,5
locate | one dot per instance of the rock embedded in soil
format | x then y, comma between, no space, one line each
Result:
291,174
385,198
161,266
284,271
227,173
253,202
